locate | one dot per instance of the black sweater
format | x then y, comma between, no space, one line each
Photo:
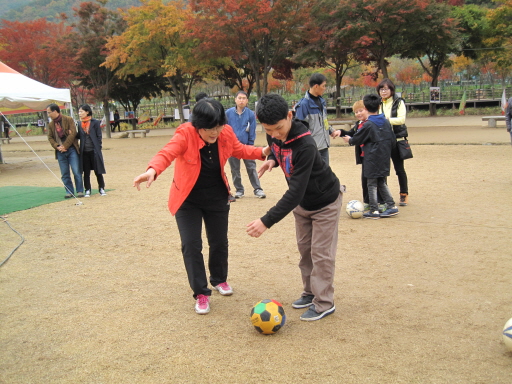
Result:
311,183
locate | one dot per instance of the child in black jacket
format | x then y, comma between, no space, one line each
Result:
377,137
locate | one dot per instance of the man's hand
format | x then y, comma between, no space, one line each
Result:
267,166
256,228
346,138
148,176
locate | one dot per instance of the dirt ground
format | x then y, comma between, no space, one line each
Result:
98,293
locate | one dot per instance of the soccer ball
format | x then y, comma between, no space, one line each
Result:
507,334
268,316
355,209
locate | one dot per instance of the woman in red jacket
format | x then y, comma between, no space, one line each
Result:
200,191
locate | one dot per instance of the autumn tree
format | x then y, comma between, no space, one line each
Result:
95,25
262,32
327,45
383,28
434,40
156,40
499,39
38,50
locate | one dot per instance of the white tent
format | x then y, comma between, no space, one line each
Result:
18,91
20,94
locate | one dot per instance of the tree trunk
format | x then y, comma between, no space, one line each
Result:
106,112
384,68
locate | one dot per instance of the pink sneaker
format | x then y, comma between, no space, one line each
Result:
202,304
224,289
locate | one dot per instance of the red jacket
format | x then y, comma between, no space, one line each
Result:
184,147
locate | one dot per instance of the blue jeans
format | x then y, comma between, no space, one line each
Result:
324,153
379,185
70,159
250,166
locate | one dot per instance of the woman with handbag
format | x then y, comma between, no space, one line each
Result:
393,107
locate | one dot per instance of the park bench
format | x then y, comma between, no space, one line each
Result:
4,139
133,132
492,120
350,123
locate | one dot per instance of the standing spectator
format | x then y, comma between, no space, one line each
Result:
63,136
313,110
199,96
91,157
117,121
199,192
314,195
243,122
4,126
394,109
508,117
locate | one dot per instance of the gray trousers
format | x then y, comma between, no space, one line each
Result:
317,240
250,165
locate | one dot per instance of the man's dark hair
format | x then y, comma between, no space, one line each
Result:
316,79
389,84
86,108
54,107
271,109
201,96
372,102
241,92
207,114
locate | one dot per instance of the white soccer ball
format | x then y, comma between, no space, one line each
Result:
355,209
507,334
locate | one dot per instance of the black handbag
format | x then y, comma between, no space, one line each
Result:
404,149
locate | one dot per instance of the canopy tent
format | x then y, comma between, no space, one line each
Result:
21,94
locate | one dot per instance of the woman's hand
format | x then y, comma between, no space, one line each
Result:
346,139
148,176
267,166
256,228
336,133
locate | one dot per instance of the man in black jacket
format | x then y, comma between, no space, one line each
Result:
314,195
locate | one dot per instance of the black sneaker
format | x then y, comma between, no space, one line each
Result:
303,302
312,315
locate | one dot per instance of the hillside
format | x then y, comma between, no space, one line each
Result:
24,10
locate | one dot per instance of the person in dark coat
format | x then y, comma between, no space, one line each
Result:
91,157
377,136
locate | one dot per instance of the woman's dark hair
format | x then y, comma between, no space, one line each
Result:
86,108
389,84
208,114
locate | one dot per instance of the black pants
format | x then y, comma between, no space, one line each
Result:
114,125
190,219
398,164
88,161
